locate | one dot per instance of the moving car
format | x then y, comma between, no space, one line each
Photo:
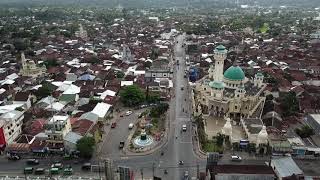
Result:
181,162
131,125
86,167
236,158
32,162
128,113
184,127
186,175
121,144
113,125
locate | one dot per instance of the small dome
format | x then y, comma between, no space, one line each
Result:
216,84
262,136
227,128
220,48
234,73
259,74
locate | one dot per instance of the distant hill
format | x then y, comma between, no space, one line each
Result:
162,3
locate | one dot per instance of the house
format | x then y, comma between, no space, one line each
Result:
10,126
70,141
24,98
285,167
102,110
313,121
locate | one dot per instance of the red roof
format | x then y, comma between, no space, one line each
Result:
81,126
37,126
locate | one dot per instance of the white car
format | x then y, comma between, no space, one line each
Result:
236,158
128,113
131,125
184,127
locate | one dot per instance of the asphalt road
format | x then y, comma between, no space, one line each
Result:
110,146
178,148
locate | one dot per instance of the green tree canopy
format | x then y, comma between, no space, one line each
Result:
44,91
289,104
86,146
120,74
132,96
159,110
305,131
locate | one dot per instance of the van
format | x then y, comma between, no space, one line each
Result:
28,170
54,171
131,125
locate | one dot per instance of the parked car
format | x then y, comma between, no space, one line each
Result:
236,158
128,113
181,162
57,165
32,162
14,157
113,125
131,125
86,167
68,170
28,170
39,171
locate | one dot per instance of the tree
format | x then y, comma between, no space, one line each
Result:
20,44
85,146
132,96
52,62
290,104
120,74
159,110
44,91
219,139
154,53
153,97
305,131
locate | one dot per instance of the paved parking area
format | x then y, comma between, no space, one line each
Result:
214,126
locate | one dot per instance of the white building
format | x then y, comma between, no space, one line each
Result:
10,126
57,128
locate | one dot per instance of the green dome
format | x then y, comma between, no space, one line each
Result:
259,74
220,48
216,84
234,73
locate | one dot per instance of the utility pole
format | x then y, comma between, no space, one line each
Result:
141,171
198,170
153,170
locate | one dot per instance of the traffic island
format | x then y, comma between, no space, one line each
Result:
150,133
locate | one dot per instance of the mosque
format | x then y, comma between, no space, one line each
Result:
231,96
230,93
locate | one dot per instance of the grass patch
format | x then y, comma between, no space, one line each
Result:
211,146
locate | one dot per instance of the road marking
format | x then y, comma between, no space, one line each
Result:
126,157
185,142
